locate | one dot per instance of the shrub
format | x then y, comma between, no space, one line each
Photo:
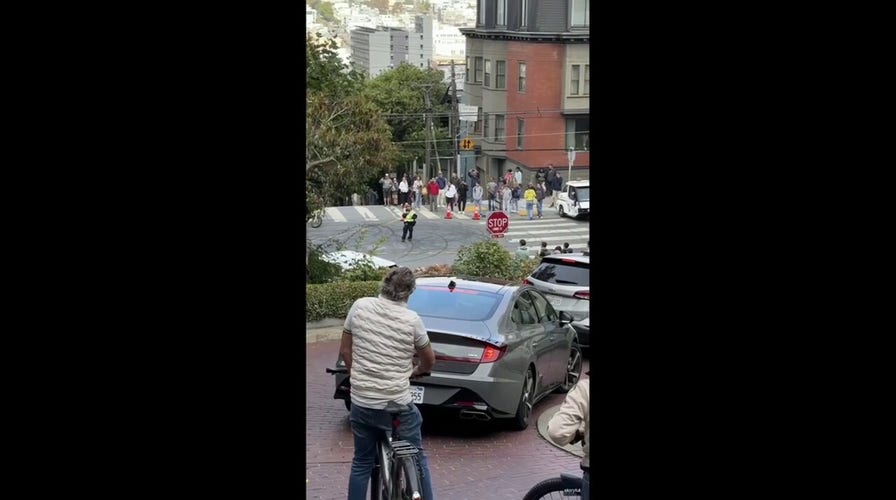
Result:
321,271
333,300
436,270
487,258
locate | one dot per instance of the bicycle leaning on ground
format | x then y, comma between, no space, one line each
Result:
565,487
396,471
316,218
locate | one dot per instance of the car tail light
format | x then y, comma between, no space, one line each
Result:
584,294
526,281
492,354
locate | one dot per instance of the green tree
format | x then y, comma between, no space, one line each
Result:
347,141
399,93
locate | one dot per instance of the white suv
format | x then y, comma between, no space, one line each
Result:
574,199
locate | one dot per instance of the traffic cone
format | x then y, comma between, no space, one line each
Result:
476,213
447,212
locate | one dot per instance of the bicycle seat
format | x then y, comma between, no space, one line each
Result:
394,408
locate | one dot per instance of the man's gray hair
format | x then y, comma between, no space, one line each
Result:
398,285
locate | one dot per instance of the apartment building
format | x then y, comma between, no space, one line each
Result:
529,75
375,50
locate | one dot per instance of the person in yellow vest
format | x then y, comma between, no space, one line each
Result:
530,200
409,217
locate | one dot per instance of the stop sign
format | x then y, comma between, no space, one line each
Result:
497,223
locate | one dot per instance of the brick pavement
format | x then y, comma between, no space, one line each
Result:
469,460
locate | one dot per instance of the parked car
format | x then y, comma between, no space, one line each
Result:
349,259
565,281
500,348
574,199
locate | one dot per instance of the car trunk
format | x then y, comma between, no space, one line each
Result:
457,352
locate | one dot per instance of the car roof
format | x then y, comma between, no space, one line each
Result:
578,257
471,283
578,183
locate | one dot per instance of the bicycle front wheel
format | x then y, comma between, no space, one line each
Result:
553,489
410,479
316,220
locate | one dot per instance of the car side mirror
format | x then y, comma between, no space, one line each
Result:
565,318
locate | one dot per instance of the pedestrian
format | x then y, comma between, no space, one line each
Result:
549,182
587,250
566,248
523,250
492,188
474,177
518,176
403,190
386,182
508,177
440,179
540,176
394,191
572,423
557,250
380,339
433,190
506,195
530,201
539,200
462,196
409,217
558,184
450,196
418,192
544,249
515,198
477,196
371,197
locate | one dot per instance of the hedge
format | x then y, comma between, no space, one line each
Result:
333,300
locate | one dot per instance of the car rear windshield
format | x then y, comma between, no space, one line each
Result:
440,302
561,272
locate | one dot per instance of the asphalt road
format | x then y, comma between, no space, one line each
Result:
377,230
469,460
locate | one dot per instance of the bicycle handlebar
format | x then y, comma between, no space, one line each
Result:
345,370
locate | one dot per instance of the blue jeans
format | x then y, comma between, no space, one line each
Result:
540,213
368,426
529,205
586,484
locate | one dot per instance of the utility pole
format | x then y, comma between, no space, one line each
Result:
455,119
427,114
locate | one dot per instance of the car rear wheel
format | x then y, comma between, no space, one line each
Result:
524,409
573,369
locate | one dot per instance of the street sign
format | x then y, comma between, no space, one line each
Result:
467,144
497,223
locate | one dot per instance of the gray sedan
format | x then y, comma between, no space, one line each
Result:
500,348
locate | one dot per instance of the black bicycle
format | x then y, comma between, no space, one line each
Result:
565,487
397,474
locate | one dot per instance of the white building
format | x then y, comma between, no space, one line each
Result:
448,43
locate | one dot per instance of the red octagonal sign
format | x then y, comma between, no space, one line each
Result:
497,223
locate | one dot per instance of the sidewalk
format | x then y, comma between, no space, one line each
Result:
323,330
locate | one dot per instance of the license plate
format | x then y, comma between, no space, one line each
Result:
417,394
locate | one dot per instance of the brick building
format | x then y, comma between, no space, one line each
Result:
528,72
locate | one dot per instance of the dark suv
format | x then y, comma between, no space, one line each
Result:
565,281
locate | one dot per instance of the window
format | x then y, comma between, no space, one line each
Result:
499,128
485,131
523,311
520,132
579,12
577,132
467,71
477,76
502,13
477,125
545,311
524,13
488,74
500,74
587,85
579,79
481,12
522,83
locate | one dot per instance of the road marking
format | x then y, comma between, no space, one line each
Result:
334,214
426,213
366,213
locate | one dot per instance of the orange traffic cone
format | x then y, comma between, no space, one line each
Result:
448,212
476,213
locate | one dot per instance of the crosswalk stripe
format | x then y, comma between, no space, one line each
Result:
366,213
335,214
560,231
426,213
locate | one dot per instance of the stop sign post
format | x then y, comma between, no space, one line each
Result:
497,224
